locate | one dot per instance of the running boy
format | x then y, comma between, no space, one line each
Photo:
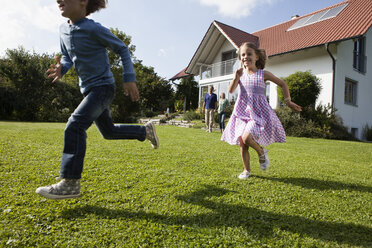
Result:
84,45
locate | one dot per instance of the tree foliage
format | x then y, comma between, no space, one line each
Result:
29,95
321,122
26,93
314,121
156,93
304,88
188,91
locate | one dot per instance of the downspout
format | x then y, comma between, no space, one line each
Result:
333,75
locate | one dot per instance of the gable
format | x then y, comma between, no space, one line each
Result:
213,41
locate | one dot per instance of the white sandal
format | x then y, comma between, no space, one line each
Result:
244,175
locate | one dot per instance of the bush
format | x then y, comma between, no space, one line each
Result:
295,125
148,113
191,115
321,122
367,132
178,105
229,110
168,117
329,122
199,111
7,101
216,119
173,115
304,88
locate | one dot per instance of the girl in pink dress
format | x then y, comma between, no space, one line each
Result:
253,123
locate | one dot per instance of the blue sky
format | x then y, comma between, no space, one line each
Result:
166,33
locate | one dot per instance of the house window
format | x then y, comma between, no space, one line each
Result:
229,55
351,92
228,61
359,61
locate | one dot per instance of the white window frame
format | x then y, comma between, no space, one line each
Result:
351,92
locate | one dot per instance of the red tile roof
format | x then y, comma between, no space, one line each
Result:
180,75
236,36
353,21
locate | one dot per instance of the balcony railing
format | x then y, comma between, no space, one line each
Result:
219,69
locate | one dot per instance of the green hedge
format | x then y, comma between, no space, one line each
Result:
321,122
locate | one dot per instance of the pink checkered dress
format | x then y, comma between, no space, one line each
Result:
253,114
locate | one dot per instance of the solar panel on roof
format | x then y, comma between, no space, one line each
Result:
299,23
333,12
327,14
315,18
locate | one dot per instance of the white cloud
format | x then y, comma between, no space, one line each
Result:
30,24
162,52
165,52
235,8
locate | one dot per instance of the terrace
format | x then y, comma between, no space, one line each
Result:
218,69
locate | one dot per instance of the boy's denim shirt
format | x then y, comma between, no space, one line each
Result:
84,44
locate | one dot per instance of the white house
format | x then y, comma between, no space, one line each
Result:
334,43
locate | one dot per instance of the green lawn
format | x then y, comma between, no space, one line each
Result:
316,193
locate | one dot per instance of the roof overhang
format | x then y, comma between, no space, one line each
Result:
217,34
180,75
208,48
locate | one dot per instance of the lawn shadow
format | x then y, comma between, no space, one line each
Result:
257,222
311,183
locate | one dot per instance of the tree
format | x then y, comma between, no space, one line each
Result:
304,88
30,96
320,121
156,93
22,71
27,95
188,90
127,40
7,97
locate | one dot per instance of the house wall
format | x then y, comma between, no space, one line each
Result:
315,59
226,47
361,114
319,62
220,83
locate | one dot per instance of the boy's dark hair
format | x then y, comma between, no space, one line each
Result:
95,5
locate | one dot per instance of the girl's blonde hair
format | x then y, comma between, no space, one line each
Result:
261,54
95,5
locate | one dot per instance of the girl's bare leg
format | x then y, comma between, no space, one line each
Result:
248,140
244,152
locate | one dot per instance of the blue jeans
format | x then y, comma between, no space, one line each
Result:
95,107
221,117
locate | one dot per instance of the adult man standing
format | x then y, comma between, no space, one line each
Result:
209,107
